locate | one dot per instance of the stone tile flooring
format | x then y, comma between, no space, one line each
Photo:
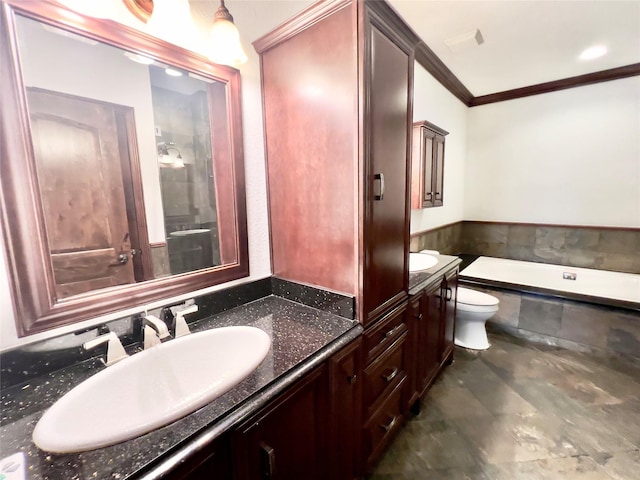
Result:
523,411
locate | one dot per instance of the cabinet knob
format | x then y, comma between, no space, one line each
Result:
352,378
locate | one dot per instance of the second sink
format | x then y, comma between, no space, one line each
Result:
421,261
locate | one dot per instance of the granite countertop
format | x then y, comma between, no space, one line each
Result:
302,338
420,280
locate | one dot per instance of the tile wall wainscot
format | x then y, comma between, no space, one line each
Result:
445,239
604,248
566,323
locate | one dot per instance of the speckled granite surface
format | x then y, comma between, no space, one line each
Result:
420,280
302,337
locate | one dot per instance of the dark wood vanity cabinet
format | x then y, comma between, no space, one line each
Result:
431,333
213,463
337,136
287,440
427,165
448,295
385,383
346,381
311,431
425,339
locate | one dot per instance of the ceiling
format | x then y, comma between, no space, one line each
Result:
526,42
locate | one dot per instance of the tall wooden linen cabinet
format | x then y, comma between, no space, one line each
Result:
337,84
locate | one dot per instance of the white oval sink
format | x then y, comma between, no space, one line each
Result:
421,261
151,389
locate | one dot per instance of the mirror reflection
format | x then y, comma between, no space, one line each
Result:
127,152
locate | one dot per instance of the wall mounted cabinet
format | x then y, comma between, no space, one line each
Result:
427,165
337,126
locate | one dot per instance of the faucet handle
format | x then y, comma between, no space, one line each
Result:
181,324
115,350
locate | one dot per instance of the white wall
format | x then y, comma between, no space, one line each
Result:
434,103
568,157
254,18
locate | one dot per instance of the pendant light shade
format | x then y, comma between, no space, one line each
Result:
225,39
171,20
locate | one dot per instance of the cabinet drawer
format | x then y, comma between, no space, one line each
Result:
378,338
383,374
381,428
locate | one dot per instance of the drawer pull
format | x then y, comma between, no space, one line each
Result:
391,375
267,461
352,378
393,331
449,294
389,425
418,317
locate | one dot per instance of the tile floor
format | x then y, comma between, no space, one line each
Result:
523,411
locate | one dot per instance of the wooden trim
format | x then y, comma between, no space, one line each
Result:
522,224
435,229
29,266
132,174
158,245
395,21
548,87
430,61
545,225
303,20
431,126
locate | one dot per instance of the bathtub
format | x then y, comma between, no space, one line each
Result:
595,286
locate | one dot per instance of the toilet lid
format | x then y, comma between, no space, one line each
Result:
473,297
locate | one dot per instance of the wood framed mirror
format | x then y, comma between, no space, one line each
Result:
121,167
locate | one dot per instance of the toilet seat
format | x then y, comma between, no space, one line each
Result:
474,301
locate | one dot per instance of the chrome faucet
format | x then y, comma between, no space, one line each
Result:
155,330
115,350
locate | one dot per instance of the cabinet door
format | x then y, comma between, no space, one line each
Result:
287,439
345,376
449,294
430,338
388,77
211,464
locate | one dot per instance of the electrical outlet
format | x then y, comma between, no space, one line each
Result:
12,468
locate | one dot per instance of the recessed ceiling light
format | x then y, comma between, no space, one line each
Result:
138,58
593,52
172,72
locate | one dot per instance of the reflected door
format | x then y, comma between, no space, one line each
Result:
77,150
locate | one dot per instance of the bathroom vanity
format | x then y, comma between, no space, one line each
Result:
282,410
335,387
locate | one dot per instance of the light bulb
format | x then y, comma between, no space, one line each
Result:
171,20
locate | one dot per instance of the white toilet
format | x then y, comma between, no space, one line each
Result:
473,310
